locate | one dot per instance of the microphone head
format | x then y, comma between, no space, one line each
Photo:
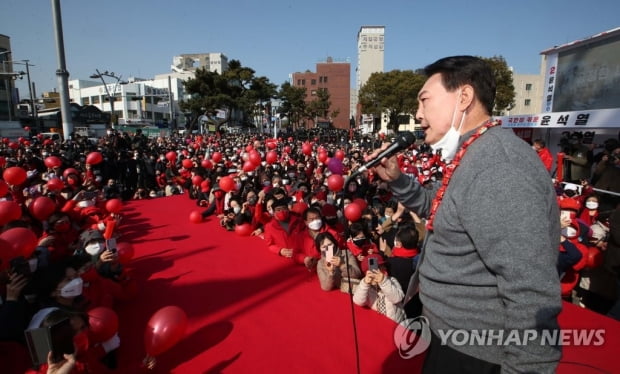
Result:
405,139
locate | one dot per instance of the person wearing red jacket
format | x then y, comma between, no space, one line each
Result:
60,239
309,255
281,232
543,153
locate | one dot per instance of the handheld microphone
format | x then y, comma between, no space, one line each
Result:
403,141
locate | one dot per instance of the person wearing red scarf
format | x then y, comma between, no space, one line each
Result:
589,213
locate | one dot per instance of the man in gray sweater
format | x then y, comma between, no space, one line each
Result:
488,265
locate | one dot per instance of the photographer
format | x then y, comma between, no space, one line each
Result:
607,176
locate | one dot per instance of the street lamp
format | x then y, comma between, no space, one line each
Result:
30,90
111,99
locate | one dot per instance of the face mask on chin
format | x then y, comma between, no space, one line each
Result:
449,143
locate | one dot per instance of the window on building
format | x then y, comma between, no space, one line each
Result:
321,79
527,102
303,82
528,86
299,82
95,99
86,101
325,79
313,82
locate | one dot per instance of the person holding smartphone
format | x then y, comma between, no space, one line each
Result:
332,268
379,291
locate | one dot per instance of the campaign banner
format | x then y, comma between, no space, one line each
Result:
601,118
549,83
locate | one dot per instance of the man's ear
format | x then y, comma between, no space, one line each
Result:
467,97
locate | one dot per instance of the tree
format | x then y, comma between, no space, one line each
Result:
394,93
293,103
319,107
505,90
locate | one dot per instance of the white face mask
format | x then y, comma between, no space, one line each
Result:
94,249
591,205
236,210
33,263
449,143
86,203
569,232
315,224
73,288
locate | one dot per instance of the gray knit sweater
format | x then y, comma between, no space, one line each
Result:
490,261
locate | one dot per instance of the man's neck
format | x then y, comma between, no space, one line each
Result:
474,121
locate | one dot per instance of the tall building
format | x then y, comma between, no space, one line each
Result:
528,94
370,43
216,62
336,78
8,93
370,53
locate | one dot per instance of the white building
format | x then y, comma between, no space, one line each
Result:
528,94
370,53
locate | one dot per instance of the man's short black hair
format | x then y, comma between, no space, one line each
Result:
460,70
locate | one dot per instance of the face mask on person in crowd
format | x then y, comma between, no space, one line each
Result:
281,215
315,224
94,249
252,200
359,242
449,143
267,183
592,205
236,210
73,288
569,232
86,203
33,263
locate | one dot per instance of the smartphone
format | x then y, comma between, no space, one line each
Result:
373,263
329,254
57,338
110,245
564,214
19,265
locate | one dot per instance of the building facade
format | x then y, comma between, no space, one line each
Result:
335,77
216,62
370,59
8,93
528,94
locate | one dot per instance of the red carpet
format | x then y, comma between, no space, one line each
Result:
250,311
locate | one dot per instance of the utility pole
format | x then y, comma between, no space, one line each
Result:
61,73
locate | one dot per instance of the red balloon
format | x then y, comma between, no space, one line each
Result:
335,182
306,149
70,171
322,157
55,184
14,175
103,323
339,154
568,282
271,145
216,157
52,162
187,163
13,145
361,202
287,149
21,239
195,216
165,329
353,212
125,252
205,185
254,157
595,258
271,157
4,188
248,166
197,180
227,184
171,156
42,207
94,158
207,164
26,128
249,148
7,253
114,205
9,211
244,229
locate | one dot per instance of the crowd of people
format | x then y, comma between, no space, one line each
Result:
357,236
